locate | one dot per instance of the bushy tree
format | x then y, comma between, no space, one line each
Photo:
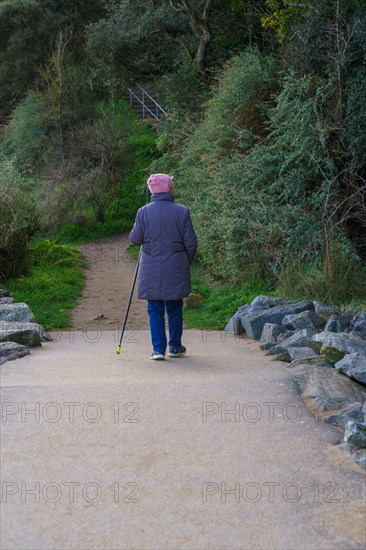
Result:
28,31
19,219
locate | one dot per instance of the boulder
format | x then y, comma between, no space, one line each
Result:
234,325
16,313
230,326
354,366
254,321
284,335
43,334
7,300
339,323
342,341
269,301
340,418
27,334
359,322
302,353
301,339
364,411
10,351
270,332
324,389
305,319
355,434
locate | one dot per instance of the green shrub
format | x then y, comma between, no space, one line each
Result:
261,177
339,279
25,137
18,220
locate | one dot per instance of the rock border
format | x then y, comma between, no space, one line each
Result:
326,352
19,330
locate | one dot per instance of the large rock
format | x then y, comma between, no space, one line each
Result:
359,322
305,319
354,366
301,339
269,301
10,351
254,321
16,313
340,418
230,326
302,353
7,300
339,323
343,342
27,334
44,336
285,335
270,332
325,390
234,325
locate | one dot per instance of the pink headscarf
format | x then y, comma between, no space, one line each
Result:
159,183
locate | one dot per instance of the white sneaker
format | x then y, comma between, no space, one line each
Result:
157,356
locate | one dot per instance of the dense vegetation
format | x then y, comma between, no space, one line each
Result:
265,134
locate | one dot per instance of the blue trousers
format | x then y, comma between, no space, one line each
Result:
156,311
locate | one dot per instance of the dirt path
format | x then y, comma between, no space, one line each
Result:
213,451
109,276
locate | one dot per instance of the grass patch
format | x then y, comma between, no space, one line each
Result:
77,234
54,286
134,250
341,282
219,303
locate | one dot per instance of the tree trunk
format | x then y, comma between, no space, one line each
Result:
201,29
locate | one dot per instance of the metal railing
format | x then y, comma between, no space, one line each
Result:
154,109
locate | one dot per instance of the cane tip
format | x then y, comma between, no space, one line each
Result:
118,350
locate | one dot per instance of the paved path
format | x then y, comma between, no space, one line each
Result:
148,451
127,453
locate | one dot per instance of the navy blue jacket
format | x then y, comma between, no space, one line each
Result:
164,229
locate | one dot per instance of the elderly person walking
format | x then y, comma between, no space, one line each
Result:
164,229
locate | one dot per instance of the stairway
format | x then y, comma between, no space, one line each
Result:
144,105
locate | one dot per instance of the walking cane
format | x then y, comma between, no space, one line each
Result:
118,350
